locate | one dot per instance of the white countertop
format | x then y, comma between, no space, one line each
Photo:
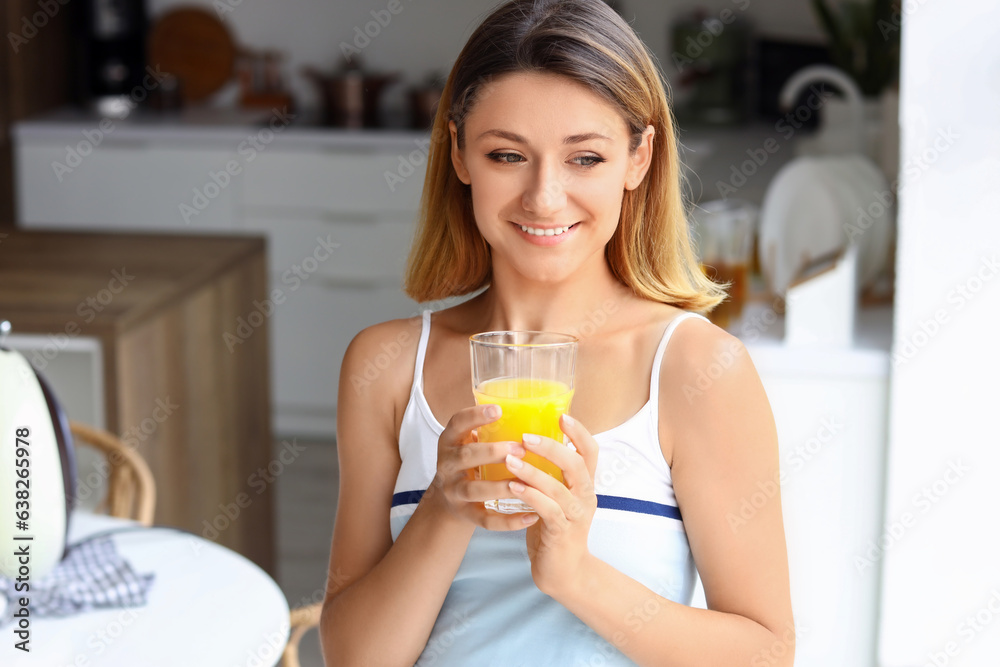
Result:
868,357
206,128
709,153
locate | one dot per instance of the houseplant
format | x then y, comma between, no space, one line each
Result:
864,40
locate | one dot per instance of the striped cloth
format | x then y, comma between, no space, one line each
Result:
92,576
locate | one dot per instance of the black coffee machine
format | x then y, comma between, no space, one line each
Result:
111,49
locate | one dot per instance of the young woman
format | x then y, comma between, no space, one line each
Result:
553,186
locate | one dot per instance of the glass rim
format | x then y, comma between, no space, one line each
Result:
479,338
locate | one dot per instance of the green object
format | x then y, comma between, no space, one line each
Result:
864,40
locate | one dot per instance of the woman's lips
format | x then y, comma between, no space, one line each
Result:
555,239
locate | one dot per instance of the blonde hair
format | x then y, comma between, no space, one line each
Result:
585,40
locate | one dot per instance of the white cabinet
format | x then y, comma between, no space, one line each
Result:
123,184
338,236
338,210
310,334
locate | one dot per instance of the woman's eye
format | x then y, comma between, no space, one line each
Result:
505,158
514,158
589,160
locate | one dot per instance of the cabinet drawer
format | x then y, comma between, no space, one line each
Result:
367,250
340,182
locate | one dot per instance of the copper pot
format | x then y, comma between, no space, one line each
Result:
350,98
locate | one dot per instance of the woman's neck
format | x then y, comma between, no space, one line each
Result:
515,303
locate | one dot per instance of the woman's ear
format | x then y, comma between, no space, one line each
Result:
640,160
456,155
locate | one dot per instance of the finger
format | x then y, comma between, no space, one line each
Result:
547,509
586,445
477,491
504,522
539,479
557,453
572,464
459,427
474,454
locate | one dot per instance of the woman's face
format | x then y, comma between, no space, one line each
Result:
548,163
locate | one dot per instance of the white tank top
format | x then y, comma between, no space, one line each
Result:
493,613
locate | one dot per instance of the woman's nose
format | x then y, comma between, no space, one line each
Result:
546,193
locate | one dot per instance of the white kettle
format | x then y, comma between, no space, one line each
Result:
37,473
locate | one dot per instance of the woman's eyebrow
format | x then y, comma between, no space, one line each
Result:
571,139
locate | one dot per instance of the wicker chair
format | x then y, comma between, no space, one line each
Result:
131,487
302,620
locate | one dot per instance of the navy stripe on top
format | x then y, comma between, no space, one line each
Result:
603,502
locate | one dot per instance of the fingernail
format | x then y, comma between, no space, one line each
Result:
514,462
515,449
492,411
516,486
531,439
529,519
567,420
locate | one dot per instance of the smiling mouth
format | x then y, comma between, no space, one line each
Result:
551,231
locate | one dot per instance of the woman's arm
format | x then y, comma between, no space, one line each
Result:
725,451
382,598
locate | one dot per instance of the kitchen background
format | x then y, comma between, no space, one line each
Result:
266,129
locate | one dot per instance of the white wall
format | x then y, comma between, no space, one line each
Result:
428,34
941,553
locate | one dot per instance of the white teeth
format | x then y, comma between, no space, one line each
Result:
545,232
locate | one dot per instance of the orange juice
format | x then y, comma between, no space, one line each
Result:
529,406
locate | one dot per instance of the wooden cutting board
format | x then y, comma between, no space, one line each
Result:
196,47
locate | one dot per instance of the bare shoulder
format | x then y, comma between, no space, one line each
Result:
699,348
379,360
707,377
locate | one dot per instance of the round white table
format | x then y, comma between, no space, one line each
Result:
207,606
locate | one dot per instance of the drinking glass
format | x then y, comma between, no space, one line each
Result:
530,375
724,229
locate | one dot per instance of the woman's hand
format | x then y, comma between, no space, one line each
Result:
557,545
455,488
